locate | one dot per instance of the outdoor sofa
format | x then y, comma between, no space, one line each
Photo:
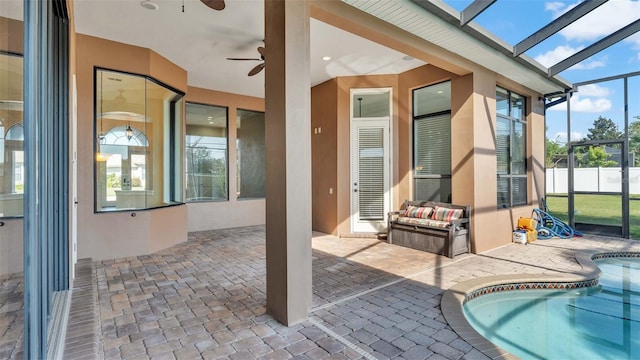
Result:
435,227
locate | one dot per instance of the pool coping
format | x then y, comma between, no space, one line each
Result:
455,297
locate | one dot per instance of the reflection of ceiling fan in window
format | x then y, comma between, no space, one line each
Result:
256,69
214,4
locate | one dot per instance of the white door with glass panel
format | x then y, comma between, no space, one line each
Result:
370,159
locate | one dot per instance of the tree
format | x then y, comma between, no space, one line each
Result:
202,163
554,153
604,129
597,157
634,140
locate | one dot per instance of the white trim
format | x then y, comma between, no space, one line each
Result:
387,123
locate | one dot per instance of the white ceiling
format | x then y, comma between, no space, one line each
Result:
200,39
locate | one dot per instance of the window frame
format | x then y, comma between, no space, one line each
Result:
226,109
425,117
511,176
177,102
10,146
238,178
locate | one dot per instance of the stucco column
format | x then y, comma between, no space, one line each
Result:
288,150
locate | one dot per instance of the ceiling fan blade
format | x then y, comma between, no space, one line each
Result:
256,69
261,50
244,59
214,4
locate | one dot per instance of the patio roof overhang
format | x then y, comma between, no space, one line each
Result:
436,22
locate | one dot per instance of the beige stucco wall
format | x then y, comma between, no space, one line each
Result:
234,212
473,148
324,146
11,246
410,80
331,183
129,233
473,155
345,84
474,162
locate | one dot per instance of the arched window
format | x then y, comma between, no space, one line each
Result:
118,136
15,132
13,159
125,150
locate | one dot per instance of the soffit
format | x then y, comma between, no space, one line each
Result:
200,39
412,18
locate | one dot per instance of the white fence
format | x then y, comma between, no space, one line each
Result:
592,179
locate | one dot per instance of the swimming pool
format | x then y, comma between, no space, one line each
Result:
599,322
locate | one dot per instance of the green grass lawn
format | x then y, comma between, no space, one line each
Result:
598,209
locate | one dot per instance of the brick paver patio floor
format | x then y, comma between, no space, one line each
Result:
206,298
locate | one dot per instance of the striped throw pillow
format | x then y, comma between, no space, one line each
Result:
418,212
446,214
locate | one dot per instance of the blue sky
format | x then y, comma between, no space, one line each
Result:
514,20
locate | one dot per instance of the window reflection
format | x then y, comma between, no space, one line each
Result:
432,142
250,154
137,127
11,136
511,149
206,152
125,160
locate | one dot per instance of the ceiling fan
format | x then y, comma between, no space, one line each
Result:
214,4
256,69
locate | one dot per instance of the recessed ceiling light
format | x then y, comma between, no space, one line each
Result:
149,5
439,91
407,58
326,58
210,122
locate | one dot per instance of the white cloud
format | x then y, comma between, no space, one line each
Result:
589,105
585,104
593,90
555,7
602,21
588,65
558,8
562,52
561,137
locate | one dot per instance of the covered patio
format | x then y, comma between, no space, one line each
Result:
206,299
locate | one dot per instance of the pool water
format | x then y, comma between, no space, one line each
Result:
601,322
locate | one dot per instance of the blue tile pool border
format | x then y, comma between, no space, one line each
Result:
453,299
530,286
554,285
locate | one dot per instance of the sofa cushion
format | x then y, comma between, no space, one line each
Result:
418,212
446,214
419,221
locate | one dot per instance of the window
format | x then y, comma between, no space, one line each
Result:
373,104
138,137
206,153
250,154
432,142
11,137
511,148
